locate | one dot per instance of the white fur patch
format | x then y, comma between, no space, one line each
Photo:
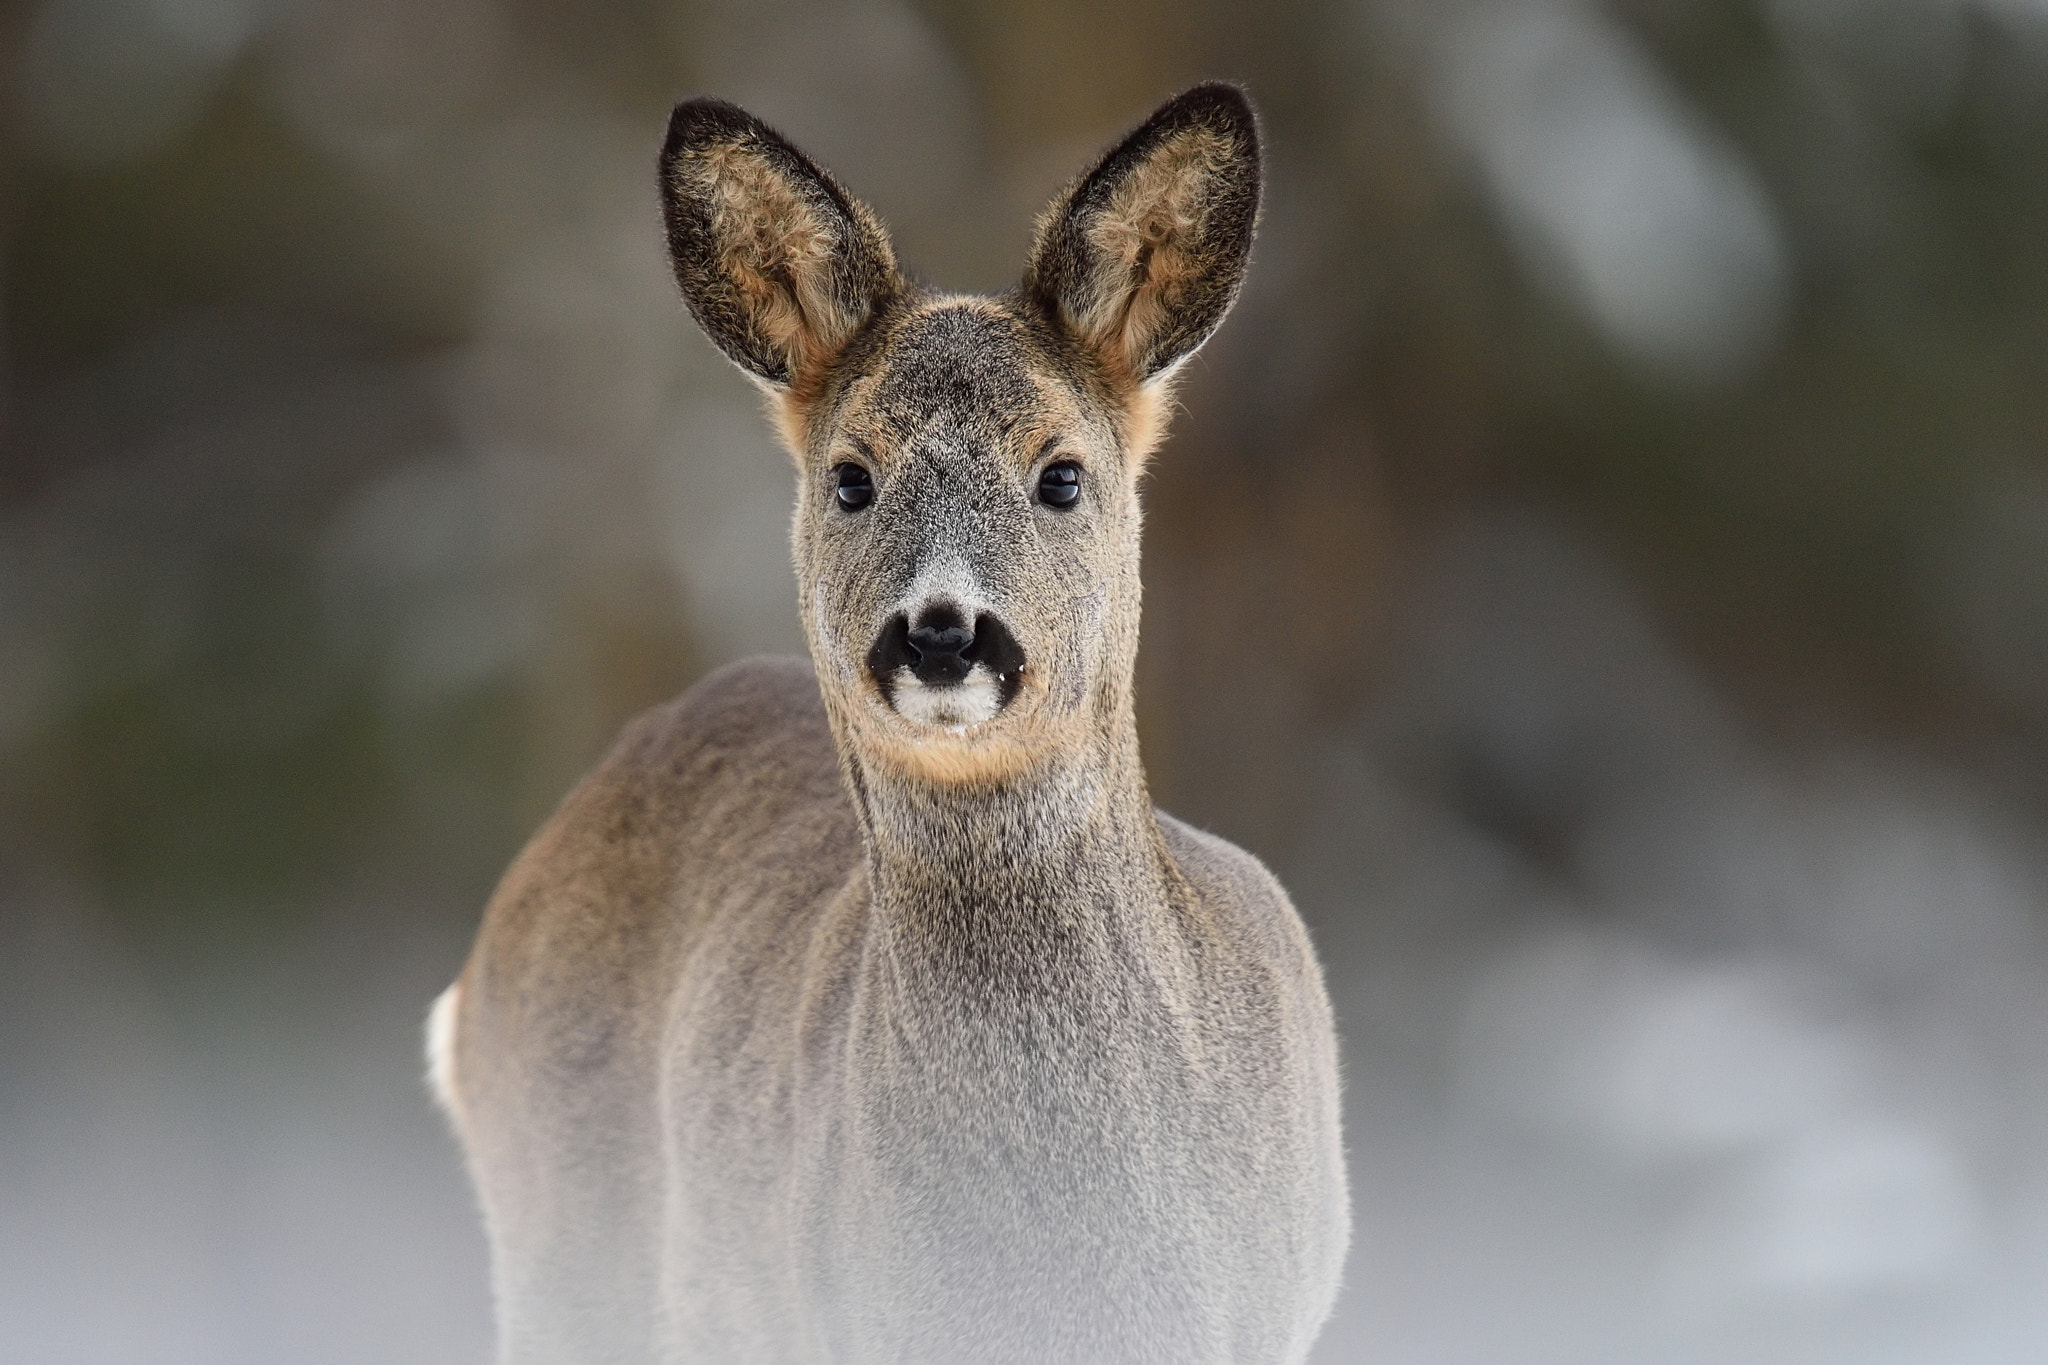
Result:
956,706
441,1046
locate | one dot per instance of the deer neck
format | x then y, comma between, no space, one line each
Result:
1061,855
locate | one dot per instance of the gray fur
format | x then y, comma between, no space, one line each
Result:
805,1032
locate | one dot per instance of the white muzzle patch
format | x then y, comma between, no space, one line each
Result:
953,706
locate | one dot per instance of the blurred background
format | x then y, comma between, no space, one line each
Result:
1602,567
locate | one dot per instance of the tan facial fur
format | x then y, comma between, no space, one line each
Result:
955,518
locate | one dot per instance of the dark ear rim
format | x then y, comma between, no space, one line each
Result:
1062,249
704,122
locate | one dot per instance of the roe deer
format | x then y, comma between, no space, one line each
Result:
864,1009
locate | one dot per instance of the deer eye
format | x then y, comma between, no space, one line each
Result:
856,487
1060,484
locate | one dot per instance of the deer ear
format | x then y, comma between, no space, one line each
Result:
1143,256
779,265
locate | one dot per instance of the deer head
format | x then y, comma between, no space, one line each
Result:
966,531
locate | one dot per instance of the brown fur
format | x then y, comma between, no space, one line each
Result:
809,1029
778,262
1148,228
1138,255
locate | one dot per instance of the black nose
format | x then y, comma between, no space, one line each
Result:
942,647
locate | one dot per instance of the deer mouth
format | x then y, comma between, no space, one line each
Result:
943,671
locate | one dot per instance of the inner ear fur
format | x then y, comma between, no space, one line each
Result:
1141,257
779,265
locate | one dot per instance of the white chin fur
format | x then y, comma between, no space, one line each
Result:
956,706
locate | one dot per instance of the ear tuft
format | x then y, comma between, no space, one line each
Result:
779,265
1143,256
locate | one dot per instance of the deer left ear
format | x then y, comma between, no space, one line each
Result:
1141,259
778,264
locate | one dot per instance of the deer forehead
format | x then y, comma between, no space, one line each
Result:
969,371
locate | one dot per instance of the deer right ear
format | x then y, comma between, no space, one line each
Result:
1141,259
779,265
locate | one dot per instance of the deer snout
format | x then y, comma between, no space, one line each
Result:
942,646
941,649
